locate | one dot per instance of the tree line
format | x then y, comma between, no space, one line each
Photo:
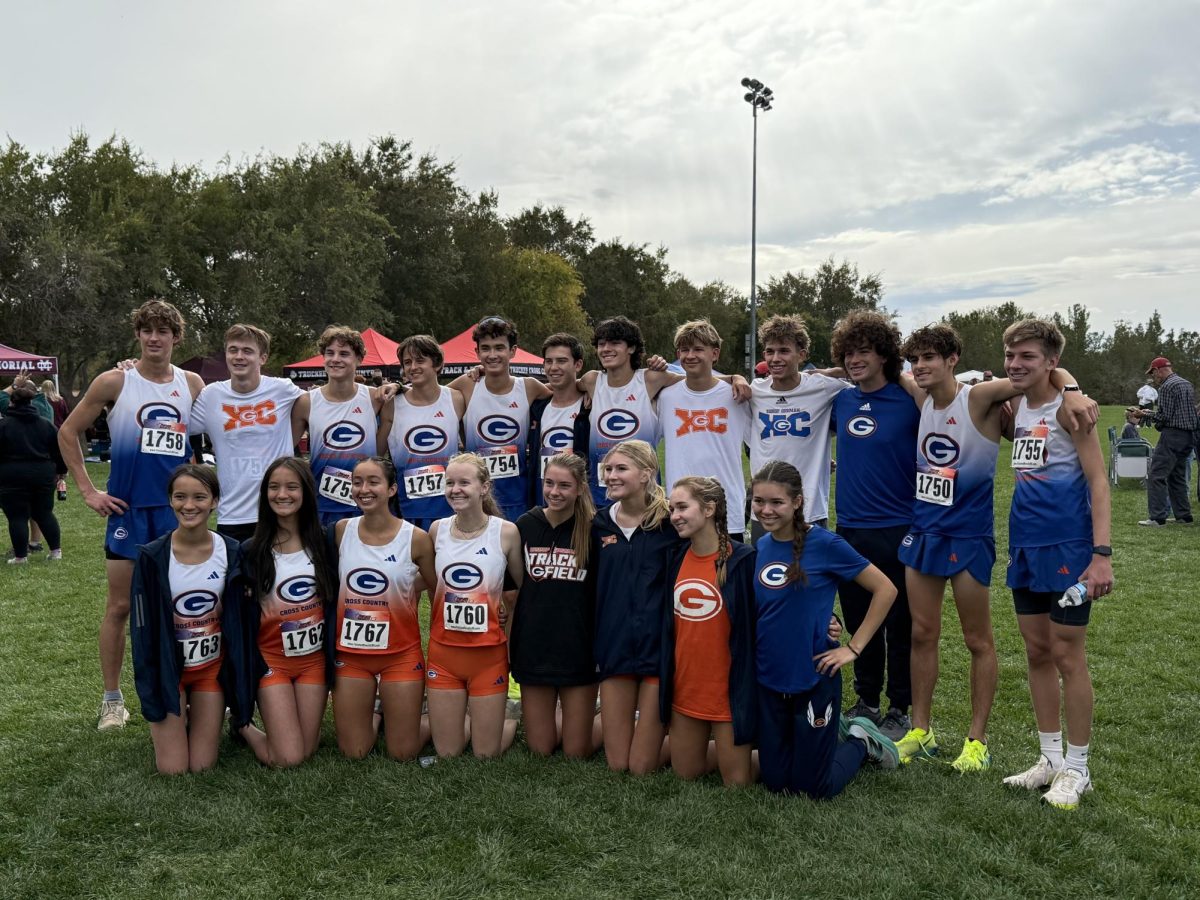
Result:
381,236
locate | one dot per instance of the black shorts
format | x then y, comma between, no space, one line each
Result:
239,533
1039,603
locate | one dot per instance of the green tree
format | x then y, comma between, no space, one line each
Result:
539,291
551,231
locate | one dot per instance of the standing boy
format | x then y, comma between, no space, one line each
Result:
1059,533
558,423
149,406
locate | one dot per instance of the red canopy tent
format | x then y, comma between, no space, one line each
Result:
460,356
381,359
13,362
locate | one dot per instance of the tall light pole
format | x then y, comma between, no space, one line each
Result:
759,96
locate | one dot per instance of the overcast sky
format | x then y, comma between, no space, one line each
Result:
969,152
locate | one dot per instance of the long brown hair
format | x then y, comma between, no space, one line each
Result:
485,478
709,490
643,457
585,509
785,475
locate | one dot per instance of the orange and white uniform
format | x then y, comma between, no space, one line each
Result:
467,647
377,628
702,654
291,629
196,592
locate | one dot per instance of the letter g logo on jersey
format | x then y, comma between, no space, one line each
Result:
498,429
157,412
779,424
558,439
343,436
297,589
425,440
367,582
696,600
773,575
462,576
194,604
861,426
940,449
618,424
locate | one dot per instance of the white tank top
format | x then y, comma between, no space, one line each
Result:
558,431
340,433
421,442
196,600
497,428
703,434
377,596
148,426
292,622
618,414
466,604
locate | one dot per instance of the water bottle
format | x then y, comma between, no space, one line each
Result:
62,491
1075,595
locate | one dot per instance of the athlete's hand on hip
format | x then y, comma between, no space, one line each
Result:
106,504
1083,410
829,662
1098,577
835,629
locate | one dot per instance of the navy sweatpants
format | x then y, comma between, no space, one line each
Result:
798,747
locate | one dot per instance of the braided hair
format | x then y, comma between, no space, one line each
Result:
786,476
709,490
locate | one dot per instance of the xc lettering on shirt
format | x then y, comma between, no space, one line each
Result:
249,415
693,420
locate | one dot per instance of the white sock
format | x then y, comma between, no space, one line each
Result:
1051,742
1077,756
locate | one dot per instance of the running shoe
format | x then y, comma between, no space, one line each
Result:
1068,788
1036,777
880,748
918,743
35,546
512,710
54,554
1151,523
18,560
860,710
113,714
974,757
895,724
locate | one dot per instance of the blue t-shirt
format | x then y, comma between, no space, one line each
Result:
876,456
793,619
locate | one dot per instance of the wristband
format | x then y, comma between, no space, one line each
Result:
1071,387
1102,550
850,647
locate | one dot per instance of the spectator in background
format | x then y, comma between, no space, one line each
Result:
40,404
1130,431
1167,482
988,376
30,468
58,405
1147,396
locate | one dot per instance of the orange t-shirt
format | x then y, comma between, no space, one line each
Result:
702,657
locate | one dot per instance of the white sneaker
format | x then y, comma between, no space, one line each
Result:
1151,523
113,714
1034,778
1068,788
18,560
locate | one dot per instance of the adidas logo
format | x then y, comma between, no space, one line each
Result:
1064,571
439,415
631,398
357,411
391,558
213,575
953,557
950,421
513,405
174,393
866,407
781,400
482,551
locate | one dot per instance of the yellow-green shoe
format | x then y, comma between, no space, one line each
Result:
917,744
974,757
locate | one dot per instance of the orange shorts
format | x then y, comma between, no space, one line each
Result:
202,679
309,669
477,670
405,665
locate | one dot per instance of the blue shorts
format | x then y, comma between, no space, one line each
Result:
137,525
1048,569
944,557
328,517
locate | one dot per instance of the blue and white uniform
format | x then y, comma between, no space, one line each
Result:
421,442
148,424
619,414
876,446
556,435
952,514
1050,524
340,434
496,427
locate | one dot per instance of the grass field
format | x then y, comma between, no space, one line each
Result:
83,814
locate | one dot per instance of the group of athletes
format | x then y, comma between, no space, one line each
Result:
699,611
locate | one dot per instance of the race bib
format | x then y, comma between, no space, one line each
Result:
335,485
427,481
199,649
501,461
164,439
364,634
465,616
1029,447
300,638
936,486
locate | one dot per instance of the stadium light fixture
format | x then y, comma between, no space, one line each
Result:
759,96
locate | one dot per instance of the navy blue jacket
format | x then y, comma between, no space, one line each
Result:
738,596
157,656
252,621
631,579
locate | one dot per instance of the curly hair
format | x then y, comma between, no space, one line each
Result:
940,338
619,328
868,328
154,313
783,330
495,327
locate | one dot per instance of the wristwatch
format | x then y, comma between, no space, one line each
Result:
1102,550
1071,387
